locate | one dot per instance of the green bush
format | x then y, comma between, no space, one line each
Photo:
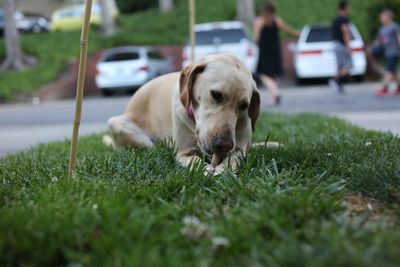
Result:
132,6
375,7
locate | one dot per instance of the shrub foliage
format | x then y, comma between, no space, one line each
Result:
375,7
132,6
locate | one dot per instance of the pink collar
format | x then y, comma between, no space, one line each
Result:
190,113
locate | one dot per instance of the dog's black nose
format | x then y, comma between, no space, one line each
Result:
222,144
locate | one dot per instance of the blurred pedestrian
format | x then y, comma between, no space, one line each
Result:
342,38
266,34
389,39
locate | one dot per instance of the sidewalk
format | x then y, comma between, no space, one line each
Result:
322,99
385,121
359,105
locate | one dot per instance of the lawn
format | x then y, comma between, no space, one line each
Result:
54,50
285,207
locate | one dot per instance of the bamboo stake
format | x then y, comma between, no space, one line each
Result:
192,21
80,87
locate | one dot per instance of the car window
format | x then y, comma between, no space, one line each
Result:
19,16
154,55
68,13
323,34
121,56
95,9
220,36
75,12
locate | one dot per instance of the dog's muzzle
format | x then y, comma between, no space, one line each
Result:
222,144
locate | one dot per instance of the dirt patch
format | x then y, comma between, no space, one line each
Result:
366,209
65,86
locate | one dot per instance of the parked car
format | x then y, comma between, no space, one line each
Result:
26,24
314,55
71,17
129,68
229,37
34,24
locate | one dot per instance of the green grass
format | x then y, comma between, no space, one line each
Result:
150,28
284,208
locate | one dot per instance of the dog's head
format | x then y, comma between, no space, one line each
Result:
223,96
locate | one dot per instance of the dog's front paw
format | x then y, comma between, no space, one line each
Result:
220,169
209,170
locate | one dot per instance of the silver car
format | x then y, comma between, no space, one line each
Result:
129,68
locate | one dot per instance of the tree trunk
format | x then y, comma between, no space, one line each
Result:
165,5
246,12
14,57
107,19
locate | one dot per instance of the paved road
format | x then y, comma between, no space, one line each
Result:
25,125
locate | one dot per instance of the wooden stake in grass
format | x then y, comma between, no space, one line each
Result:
192,21
80,87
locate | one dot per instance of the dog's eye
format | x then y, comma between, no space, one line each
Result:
243,106
218,97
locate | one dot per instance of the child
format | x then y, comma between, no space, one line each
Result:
389,38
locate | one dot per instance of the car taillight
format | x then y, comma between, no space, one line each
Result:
360,49
311,52
144,68
184,56
249,52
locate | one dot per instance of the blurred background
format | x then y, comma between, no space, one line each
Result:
133,41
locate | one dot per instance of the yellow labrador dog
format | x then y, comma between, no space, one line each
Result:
210,107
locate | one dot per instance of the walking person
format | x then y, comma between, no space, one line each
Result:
389,39
266,33
342,38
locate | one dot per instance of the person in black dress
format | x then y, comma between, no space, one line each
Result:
266,33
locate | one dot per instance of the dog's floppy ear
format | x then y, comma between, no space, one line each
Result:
254,108
186,81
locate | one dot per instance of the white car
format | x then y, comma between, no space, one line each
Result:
314,55
129,68
229,37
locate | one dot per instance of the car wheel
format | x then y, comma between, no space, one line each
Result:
359,78
36,29
300,81
132,90
107,92
256,78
